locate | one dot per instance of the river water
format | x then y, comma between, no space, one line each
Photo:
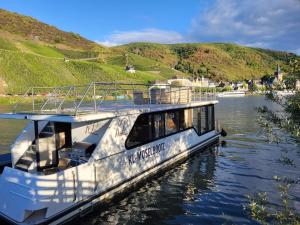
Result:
211,187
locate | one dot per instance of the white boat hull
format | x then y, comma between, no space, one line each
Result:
231,94
86,205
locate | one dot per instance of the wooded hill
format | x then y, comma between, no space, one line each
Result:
33,53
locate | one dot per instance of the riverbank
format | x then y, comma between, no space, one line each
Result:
13,99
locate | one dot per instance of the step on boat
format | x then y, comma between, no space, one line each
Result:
84,145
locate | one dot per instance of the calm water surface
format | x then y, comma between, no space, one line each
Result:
209,188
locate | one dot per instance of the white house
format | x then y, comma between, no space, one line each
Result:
130,69
203,82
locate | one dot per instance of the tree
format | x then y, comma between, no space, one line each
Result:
290,104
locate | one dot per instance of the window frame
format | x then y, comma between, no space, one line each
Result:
153,128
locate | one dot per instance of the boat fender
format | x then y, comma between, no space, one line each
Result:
223,133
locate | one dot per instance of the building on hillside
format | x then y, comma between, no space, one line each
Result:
275,80
253,84
130,69
278,75
239,86
203,82
180,81
223,84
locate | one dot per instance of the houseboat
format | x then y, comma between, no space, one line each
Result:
84,145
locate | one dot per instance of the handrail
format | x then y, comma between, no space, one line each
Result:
17,104
46,102
84,95
62,102
145,94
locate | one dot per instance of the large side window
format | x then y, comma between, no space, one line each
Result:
172,122
141,132
151,126
196,119
185,119
211,119
158,125
203,120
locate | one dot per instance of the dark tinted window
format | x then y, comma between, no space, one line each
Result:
141,131
196,119
210,118
203,120
152,126
158,125
185,119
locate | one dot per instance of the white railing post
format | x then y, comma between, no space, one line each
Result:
179,96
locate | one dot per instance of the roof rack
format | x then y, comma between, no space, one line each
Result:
92,98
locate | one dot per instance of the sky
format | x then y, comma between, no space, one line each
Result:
273,24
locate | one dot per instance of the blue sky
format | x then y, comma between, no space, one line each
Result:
268,24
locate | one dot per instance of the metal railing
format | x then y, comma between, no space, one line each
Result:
98,96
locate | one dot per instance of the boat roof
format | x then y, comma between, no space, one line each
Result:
104,112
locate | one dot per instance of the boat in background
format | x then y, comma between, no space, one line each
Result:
283,93
231,94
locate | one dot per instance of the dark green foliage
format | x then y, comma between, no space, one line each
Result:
184,52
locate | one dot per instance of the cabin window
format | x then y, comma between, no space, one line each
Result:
152,126
141,131
172,122
185,119
196,119
210,118
158,125
203,120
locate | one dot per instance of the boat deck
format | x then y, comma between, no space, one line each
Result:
102,100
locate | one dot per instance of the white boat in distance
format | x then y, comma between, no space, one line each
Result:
231,94
79,149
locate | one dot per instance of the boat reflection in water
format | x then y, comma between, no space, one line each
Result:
165,198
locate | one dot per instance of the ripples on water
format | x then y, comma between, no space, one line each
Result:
210,188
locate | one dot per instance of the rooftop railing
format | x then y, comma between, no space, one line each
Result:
98,96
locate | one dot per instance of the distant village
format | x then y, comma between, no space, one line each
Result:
274,82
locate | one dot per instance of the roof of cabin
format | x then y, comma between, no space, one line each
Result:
105,112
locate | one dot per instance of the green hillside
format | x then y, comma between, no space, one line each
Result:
21,70
36,54
218,61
